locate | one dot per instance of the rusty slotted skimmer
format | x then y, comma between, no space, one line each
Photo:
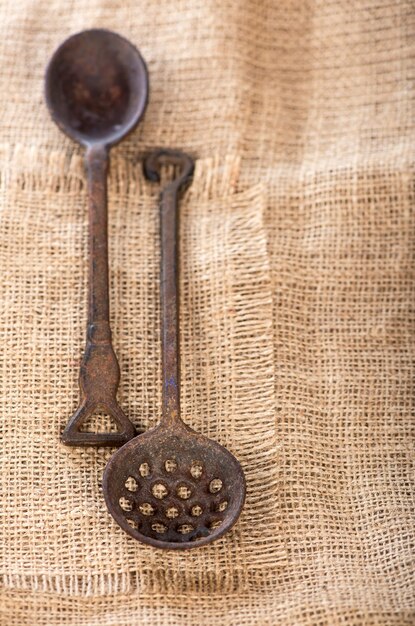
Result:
172,487
96,89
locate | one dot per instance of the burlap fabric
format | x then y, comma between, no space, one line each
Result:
297,319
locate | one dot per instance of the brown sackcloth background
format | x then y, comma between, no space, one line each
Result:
298,290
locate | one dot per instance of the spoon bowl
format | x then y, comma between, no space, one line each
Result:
96,87
174,488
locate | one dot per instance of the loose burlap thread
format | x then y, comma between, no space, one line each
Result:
297,319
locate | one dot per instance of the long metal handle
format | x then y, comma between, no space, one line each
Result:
169,273
99,308
100,373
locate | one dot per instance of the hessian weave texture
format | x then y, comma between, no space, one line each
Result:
297,313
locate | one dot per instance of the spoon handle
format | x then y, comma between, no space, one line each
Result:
169,279
99,373
98,313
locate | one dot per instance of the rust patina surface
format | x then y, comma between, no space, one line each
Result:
171,487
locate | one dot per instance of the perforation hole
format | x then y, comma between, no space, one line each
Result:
222,506
146,508
159,491
196,510
172,512
158,527
131,484
184,492
132,523
185,529
196,469
125,504
215,485
215,524
170,465
144,470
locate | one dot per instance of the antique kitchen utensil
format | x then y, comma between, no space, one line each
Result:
96,90
172,487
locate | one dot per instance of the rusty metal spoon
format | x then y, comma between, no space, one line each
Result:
172,487
96,88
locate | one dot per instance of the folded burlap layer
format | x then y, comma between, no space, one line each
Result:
297,316
65,538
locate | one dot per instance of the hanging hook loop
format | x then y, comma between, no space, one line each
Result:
164,156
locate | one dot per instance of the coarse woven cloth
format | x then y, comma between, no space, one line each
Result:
297,317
